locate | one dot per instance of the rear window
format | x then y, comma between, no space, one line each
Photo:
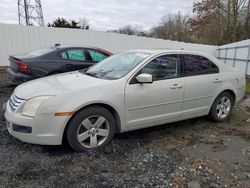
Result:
40,52
196,65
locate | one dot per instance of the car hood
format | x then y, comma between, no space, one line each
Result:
57,84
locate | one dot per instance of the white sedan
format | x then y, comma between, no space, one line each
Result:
130,90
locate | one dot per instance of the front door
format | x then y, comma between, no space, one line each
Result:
76,59
158,102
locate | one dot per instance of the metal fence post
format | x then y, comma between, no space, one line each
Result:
248,60
218,53
225,55
235,51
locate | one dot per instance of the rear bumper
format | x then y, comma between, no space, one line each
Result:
240,93
17,77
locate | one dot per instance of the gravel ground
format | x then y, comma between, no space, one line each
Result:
194,153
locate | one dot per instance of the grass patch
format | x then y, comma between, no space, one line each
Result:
248,88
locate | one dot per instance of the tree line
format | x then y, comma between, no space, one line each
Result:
82,23
214,22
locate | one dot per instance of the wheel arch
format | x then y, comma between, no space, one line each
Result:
230,91
106,106
212,112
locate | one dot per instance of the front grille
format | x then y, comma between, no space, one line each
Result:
15,102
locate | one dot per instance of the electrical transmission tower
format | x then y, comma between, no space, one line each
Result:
30,12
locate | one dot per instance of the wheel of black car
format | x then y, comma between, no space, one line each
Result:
91,128
222,107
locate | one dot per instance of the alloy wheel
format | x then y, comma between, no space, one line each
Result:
223,107
93,131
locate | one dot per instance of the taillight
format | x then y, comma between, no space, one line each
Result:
23,67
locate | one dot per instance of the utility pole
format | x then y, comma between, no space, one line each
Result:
30,12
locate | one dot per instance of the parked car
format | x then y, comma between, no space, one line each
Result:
127,91
57,59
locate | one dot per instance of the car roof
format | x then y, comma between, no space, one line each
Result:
156,52
159,51
80,46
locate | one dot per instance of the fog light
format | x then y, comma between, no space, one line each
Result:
21,129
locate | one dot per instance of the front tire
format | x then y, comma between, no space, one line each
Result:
90,129
222,107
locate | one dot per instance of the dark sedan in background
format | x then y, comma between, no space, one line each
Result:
57,59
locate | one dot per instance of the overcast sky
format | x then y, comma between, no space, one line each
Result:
103,14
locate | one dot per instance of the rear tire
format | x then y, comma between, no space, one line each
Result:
90,129
222,107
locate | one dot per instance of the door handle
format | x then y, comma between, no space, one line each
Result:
217,80
176,86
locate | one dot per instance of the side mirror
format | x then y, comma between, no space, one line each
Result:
144,78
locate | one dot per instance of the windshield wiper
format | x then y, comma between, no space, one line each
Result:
91,74
99,74
83,70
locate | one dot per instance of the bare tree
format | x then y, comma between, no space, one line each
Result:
173,27
84,23
221,21
131,30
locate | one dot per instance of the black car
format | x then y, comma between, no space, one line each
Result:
57,59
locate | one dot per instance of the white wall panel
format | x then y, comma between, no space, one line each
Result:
16,39
221,53
236,55
241,66
242,53
248,69
230,53
229,62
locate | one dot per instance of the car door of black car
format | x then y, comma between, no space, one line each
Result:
75,59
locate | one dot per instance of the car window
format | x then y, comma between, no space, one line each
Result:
163,67
197,65
40,52
74,54
64,55
97,56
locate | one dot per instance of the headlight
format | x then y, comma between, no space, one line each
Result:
32,105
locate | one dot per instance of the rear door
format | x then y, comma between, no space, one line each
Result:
201,80
75,59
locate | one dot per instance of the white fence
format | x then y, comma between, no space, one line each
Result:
16,39
236,55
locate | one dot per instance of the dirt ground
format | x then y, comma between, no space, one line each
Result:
194,153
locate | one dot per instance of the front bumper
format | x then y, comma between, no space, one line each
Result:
2,118
47,129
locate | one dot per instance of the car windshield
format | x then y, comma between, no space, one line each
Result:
117,66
